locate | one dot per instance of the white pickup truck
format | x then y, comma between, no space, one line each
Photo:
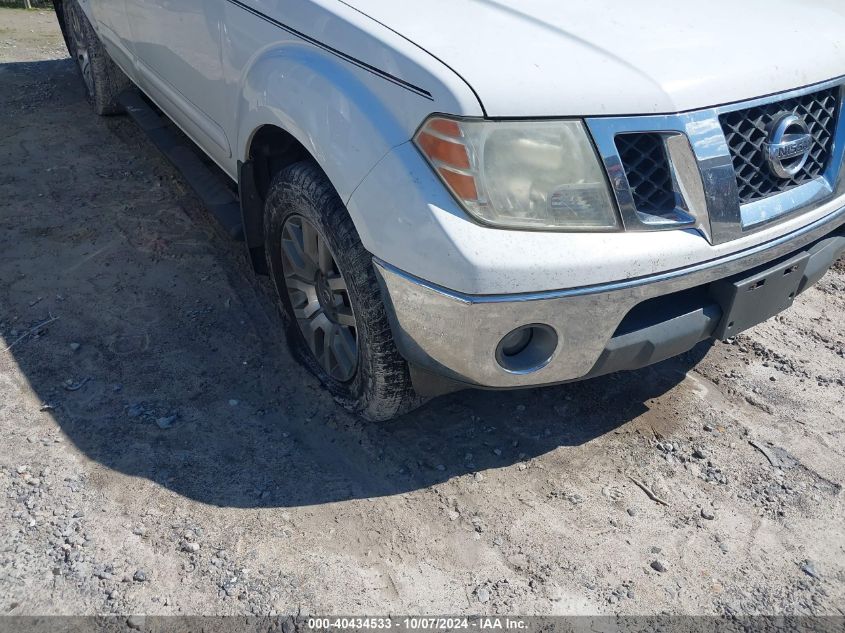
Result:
500,194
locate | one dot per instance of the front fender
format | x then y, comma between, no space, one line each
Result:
342,119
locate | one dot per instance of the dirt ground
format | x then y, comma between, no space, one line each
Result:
161,452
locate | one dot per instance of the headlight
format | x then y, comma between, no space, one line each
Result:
521,174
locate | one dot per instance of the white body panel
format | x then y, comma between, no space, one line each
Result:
177,49
596,57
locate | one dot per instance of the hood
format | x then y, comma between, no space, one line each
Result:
598,57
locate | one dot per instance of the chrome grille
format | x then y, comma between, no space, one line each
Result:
746,131
646,166
716,167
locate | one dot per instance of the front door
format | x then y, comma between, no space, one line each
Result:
177,45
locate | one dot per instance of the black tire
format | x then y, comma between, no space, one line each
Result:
102,79
380,389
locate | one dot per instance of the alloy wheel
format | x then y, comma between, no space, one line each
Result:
80,47
320,298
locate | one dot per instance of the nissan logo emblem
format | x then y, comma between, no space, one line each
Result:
788,145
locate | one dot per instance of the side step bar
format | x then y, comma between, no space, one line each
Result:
219,199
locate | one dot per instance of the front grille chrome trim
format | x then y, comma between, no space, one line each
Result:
718,214
747,132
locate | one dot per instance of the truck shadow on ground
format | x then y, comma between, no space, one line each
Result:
167,361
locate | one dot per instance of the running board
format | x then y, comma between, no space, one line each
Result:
213,192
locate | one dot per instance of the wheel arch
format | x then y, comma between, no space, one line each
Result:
301,103
270,149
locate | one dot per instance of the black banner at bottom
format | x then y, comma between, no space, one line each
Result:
424,624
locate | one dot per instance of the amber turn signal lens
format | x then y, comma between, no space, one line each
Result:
447,152
463,185
445,127
442,143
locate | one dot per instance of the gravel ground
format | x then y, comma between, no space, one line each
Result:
161,453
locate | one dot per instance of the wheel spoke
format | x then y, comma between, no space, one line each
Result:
296,258
347,338
76,30
319,323
85,64
325,259
319,328
344,351
295,282
310,243
336,283
344,316
306,309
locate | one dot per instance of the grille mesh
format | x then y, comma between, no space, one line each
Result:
646,165
745,131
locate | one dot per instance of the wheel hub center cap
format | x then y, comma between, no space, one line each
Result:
324,293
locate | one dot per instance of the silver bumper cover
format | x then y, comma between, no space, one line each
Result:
455,335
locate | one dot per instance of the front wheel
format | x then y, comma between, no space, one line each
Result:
103,80
336,321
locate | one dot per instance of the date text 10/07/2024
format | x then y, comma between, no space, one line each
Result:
417,624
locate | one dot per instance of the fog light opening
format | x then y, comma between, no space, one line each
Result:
527,349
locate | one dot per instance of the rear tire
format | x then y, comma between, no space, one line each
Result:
378,388
103,80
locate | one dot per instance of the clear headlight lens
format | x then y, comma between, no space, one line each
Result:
521,174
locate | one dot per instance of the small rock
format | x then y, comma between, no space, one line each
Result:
140,576
22,469
75,347
709,428
453,516
166,422
234,403
497,452
192,548
698,453
660,566
483,594
706,514
809,568
724,547
136,622
135,410
632,512
140,531
440,467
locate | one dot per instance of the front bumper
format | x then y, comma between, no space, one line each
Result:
455,335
